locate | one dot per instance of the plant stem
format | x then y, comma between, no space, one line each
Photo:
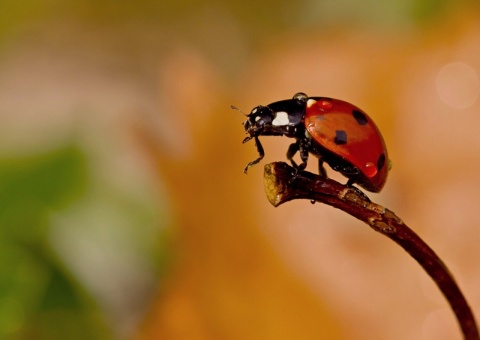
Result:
284,183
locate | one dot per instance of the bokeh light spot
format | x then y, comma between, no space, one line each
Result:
458,85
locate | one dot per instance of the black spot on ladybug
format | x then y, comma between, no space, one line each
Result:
340,137
359,117
381,161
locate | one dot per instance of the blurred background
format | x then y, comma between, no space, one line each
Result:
124,209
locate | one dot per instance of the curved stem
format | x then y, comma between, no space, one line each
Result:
284,183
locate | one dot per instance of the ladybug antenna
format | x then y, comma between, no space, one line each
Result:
233,107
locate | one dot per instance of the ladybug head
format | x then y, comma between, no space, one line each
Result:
259,121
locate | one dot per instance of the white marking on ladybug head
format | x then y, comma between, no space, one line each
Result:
308,135
311,102
281,119
254,111
257,118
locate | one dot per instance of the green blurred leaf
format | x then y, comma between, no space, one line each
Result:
39,298
427,9
31,187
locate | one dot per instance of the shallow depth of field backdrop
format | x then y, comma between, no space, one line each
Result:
124,211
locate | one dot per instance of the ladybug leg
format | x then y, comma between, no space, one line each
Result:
303,149
292,150
298,146
321,168
260,150
350,182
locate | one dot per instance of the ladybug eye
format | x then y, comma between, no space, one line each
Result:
259,120
254,111
260,111
301,97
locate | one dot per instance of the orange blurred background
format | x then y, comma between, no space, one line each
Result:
125,211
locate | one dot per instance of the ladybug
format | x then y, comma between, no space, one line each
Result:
337,132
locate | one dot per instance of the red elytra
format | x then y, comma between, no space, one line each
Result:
364,146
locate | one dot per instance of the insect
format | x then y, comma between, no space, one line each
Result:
336,132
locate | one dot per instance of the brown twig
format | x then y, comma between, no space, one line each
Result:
283,183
